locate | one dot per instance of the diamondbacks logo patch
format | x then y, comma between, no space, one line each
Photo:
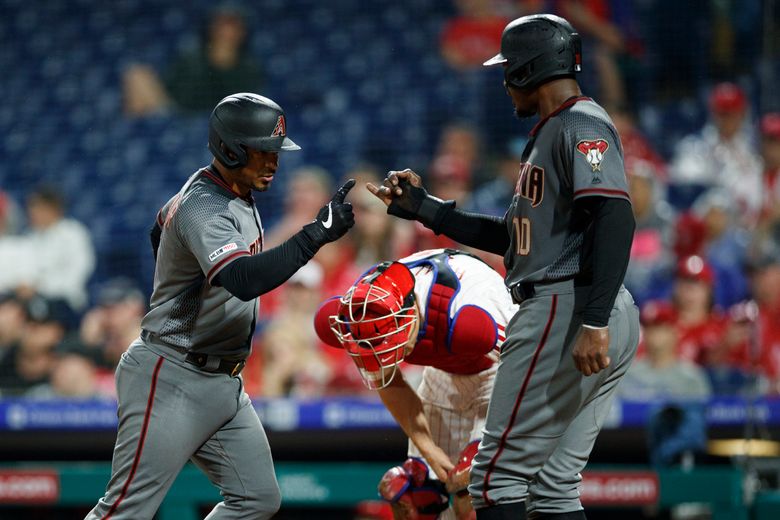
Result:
594,152
280,128
222,250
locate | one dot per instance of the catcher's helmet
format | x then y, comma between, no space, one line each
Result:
373,321
246,120
538,48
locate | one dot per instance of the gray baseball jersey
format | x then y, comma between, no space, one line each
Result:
544,415
575,152
204,227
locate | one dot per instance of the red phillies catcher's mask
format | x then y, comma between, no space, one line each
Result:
372,321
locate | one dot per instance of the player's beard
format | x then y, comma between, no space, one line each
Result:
524,113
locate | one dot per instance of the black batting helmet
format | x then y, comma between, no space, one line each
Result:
246,120
538,48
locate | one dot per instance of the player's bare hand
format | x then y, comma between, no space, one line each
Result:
457,480
591,351
393,185
404,510
440,464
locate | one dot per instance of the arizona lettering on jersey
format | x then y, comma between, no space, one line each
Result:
530,183
575,152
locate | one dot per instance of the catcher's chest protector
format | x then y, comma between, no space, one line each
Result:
458,344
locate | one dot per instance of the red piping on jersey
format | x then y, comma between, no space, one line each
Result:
159,218
220,182
601,191
502,442
141,440
223,261
566,104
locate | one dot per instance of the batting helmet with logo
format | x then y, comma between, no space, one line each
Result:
373,321
538,48
246,120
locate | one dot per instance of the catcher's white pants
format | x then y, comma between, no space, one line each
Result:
456,407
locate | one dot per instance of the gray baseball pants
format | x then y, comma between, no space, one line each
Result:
544,415
171,412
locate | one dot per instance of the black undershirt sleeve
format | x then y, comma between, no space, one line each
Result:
613,232
484,232
248,277
154,236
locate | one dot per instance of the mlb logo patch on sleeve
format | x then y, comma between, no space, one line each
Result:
222,250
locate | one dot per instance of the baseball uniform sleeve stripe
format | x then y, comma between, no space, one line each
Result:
142,438
516,408
601,191
222,263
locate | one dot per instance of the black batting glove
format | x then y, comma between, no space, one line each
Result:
407,205
415,203
333,220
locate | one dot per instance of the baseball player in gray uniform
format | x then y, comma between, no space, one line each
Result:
180,394
565,239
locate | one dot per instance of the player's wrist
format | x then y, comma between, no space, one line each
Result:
594,326
312,237
432,212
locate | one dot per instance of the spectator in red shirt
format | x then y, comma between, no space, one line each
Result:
765,281
613,48
471,37
699,324
732,362
750,344
660,373
770,155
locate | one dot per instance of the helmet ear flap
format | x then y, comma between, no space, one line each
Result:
230,155
227,156
237,155
516,74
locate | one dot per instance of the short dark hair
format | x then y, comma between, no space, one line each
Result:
48,195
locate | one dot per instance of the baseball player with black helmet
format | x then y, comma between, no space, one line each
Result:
445,310
179,389
565,239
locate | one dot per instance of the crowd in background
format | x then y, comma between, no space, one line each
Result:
705,262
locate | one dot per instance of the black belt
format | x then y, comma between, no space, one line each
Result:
205,362
225,366
522,291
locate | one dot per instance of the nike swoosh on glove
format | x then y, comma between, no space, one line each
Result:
334,219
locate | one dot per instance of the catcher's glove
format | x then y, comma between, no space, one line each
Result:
412,493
